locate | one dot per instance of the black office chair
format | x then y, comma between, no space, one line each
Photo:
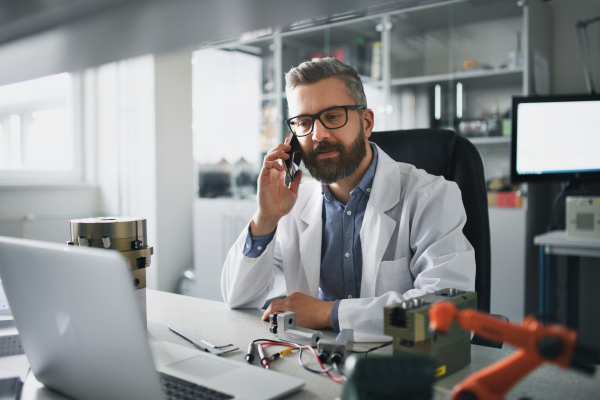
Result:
443,152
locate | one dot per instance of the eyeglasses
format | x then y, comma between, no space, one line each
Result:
331,118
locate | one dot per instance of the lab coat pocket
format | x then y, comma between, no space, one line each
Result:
394,276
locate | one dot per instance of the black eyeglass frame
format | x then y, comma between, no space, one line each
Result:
316,116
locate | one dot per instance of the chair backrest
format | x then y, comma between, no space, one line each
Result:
443,152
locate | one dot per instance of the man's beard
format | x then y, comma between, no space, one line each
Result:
339,167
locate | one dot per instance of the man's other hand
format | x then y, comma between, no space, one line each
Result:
310,312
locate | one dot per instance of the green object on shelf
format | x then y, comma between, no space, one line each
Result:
506,128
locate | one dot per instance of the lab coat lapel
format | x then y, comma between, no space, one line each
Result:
310,240
377,228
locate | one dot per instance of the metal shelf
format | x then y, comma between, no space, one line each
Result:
486,74
491,140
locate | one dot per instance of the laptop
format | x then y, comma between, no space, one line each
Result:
82,331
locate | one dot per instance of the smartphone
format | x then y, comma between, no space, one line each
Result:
291,164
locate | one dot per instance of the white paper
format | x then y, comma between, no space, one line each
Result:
5,314
14,366
10,342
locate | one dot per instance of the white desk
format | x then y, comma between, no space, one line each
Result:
559,243
216,323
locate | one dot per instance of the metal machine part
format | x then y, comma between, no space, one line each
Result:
201,344
537,344
337,349
583,216
124,234
284,326
408,323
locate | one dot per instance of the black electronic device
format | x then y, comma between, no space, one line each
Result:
555,138
292,163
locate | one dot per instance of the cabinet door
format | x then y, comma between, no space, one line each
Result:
217,225
228,119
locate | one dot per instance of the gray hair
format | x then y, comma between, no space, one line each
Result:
320,68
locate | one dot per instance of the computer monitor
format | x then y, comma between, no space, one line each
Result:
555,138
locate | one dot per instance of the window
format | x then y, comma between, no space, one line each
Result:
38,137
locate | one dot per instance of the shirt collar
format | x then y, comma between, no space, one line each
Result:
365,183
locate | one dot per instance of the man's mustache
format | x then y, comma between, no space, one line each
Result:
325,146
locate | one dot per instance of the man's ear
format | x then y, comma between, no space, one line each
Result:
368,118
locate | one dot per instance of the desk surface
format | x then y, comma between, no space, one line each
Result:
558,242
218,324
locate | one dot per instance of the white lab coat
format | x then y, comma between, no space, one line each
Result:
412,244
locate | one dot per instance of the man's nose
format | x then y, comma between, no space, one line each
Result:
319,132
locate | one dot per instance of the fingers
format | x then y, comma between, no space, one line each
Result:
294,186
281,147
265,316
277,155
269,165
276,306
272,158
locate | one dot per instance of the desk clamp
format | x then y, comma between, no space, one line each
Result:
201,344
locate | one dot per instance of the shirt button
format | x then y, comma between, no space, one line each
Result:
347,254
259,248
247,246
369,190
349,296
348,212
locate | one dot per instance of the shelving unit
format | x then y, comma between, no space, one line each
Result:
493,76
491,140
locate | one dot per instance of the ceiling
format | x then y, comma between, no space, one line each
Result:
19,18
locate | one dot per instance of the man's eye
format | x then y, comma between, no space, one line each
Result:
333,117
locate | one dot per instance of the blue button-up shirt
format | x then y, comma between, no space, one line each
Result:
341,251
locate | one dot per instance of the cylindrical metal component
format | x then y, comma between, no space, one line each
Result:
250,354
263,358
323,356
273,318
124,234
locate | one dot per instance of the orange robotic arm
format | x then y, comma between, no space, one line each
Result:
537,344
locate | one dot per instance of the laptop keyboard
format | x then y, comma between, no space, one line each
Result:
178,389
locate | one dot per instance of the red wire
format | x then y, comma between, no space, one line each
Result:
341,379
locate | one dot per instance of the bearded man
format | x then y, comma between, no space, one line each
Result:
365,233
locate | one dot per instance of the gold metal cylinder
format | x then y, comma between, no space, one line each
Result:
126,235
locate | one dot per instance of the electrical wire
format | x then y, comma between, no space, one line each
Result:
296,346
366,352
337,368
563,187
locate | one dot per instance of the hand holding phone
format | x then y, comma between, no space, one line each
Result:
275,197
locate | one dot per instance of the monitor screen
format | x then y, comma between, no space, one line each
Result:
555,138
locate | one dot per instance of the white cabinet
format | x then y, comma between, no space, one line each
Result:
217,224
508,262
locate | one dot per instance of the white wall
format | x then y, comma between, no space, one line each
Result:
174,166
567,65
56,204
